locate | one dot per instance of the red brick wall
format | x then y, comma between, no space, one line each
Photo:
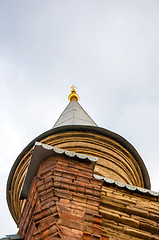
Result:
63,202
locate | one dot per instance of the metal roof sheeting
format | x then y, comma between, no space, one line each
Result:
127,186
12,237
74,114
66,152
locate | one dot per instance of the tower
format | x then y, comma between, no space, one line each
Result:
80,181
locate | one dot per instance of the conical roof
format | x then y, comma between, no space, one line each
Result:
74,114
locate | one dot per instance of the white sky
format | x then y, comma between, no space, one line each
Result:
109,49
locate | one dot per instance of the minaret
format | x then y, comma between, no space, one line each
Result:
57,184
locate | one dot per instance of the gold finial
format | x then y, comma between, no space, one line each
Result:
73,95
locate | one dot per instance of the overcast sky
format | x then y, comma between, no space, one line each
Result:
109,49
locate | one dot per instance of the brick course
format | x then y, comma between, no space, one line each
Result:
66,202
63,202
129,215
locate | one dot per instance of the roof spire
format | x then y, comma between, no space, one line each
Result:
73,95
74,114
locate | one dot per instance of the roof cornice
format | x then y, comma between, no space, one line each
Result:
42,151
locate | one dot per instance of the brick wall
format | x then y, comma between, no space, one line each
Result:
129,215
66,202
63,202
114,162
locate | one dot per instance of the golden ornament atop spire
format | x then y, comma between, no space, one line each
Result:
73,95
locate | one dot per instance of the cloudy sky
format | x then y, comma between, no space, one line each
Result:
108,48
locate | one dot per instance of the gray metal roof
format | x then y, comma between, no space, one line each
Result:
11,237
74,114
129,187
